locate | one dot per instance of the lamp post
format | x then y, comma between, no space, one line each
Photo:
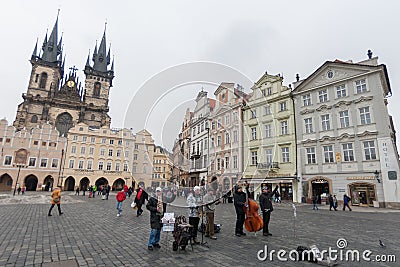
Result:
19,165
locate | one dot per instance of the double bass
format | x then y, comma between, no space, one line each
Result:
253,221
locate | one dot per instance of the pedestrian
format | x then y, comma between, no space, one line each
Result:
23,189
346,200
157,209
19,189
330,199
239,200
84,190
140,198
194,201
126,189
94,189
335,202
108,189
277,198
209,202
121,196
77,191
56,199
266,207
130,190
315,202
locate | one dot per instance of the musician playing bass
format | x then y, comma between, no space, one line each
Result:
266,207
239,200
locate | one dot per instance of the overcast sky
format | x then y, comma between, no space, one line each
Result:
149,37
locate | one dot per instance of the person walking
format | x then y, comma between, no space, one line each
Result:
108,189
194,200
346,200
157,209
335,202
330,199
94,189
23,189
266,207
315,202
19,189
77,191
56,199
140,198
121,196
239,200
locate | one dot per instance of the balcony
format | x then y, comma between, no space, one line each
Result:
267,166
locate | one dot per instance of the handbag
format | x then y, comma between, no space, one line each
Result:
56,200
133,205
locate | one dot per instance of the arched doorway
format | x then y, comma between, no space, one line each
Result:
31,182
5,182
69,184
84,184
118,184
319,186
48,182
362,194
227,184
101,181
183,182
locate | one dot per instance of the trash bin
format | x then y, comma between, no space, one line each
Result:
376,203
230,199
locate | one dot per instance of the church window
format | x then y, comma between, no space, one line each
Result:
36,78
64,123
43,80
97,87
34,119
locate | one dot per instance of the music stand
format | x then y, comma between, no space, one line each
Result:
202,243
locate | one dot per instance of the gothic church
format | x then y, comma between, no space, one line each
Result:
59,98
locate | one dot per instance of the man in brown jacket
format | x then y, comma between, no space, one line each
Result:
56,199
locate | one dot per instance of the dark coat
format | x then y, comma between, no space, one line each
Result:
239,199
265,200
143,197
155,219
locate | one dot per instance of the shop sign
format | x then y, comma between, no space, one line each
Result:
360,178
278,175
342,190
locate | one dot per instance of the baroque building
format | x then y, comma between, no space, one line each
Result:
59,98
162,167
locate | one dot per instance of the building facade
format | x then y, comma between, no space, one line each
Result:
269,138
162,167
345,136
143,155
34,157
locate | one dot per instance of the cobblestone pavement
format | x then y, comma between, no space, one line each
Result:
90,234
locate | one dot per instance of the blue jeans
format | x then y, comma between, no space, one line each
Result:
315,207
154,237
119,207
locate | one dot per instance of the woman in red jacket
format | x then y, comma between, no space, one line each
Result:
120,198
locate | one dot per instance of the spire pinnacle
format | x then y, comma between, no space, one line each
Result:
88,60
51,48
34,54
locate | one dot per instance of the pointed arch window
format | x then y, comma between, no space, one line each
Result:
43,80
34,119
96,91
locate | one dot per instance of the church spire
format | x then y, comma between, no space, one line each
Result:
88,60
51,48
100,57
34,53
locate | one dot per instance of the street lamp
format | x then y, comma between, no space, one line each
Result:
376,173
19,165
208,148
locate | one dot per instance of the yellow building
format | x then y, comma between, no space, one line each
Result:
269,137
162,167
143,153
98,156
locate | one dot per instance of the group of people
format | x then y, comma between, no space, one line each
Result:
21,190
333,202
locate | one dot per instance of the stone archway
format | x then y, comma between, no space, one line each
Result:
318,186
6,182
84,184
69,184
118,184
101,181
48,182
31,182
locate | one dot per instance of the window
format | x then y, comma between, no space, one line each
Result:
134,168
284,127
344,119
311,155
108,167
212,141
268,155
348,152
43,80
43,163
235,136
341,91
308,125
323,96
73,149
268,133
218,140
89,165
254,157
102,151
253,114
227,119
235,162
267,109
117,166
111,141
226,162
213,125
235,116
80,164
84,139
198,129
219,123
32,162
8,160
103,140
91,150
263,92
269,91
34,119
282,106
369,150
110,152
365,116
135,157
120,142
326,125
254,133
285,154
227,139
71,164
218,164
83,150
96,89
204,161
93,139
125,167
75,138
328,154
361,86
118,152
54,163
36,78
101,165
307,100
136,146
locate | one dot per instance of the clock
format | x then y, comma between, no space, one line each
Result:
70,83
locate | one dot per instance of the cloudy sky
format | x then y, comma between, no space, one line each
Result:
150,39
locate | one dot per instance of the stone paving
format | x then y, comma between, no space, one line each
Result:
90,234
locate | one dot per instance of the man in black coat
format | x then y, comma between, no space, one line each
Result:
156,213
141,196
239,199
266,207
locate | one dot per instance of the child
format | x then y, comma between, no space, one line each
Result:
121,196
